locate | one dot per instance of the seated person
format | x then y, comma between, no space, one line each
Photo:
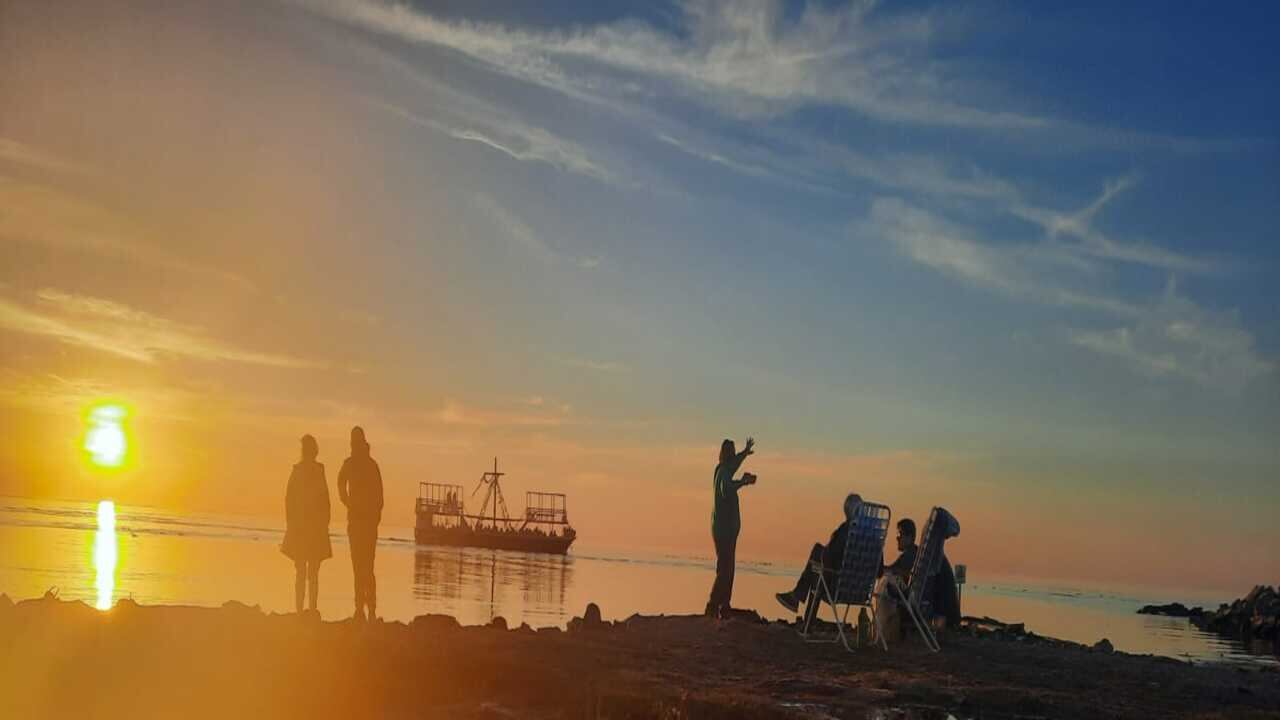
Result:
944,603
831,557
906,552
888,616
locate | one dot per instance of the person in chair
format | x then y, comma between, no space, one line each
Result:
829,556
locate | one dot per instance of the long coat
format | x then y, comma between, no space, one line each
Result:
306,507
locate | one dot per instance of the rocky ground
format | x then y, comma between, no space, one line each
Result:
66,660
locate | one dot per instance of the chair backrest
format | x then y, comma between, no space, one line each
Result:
940,526
863,554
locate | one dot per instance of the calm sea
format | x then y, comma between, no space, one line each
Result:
101,554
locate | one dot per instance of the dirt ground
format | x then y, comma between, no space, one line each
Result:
67,660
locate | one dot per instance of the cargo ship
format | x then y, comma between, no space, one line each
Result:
442,518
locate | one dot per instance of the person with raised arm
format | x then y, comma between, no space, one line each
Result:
726,522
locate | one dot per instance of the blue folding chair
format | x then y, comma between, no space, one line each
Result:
916,598
855,580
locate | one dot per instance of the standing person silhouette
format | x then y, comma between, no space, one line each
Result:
726,522
306,513
360,488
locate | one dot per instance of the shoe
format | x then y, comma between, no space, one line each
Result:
788,600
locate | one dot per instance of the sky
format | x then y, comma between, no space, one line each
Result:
1013,260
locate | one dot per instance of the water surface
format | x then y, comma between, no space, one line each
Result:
97,555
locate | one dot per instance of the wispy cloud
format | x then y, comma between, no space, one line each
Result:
1171,336
1024,271
606,366
46,216
525,237
1079,225
1177,337
126,332
740,57
457,413
513,139
15,152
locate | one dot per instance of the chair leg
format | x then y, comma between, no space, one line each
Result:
926,632
808,601
878,637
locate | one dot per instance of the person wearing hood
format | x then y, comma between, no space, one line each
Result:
360,489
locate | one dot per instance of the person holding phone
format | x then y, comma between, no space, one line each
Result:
726,522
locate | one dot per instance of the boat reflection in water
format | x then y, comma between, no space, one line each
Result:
104,554
476,585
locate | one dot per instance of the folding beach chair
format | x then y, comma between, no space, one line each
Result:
855,581
941,526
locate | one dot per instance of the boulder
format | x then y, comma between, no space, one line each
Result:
498,622
1103,646
1174,609
434,623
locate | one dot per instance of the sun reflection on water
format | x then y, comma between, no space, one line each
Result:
104,554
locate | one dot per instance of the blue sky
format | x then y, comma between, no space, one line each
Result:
1017,257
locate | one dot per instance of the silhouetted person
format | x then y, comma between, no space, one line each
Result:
906,552
360,488
726,522
831,556
306,514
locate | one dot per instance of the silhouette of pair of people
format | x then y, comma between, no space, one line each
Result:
306,537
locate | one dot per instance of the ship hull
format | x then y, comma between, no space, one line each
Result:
454,537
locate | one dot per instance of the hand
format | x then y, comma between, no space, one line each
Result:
751,443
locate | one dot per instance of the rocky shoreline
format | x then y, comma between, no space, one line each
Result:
1254,618
66,660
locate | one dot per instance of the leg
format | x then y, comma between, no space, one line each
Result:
371,582
299,583
313,582
808,576
355,538
731,563
724,578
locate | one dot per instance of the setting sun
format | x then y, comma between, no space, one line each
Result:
105,439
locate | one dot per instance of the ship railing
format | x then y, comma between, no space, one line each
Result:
439,499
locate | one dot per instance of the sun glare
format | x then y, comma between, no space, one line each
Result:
104,554
105,439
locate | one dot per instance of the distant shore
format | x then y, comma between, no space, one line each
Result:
65,659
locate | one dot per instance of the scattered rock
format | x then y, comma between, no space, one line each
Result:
1103,646
434,623
592,615
1174,609
498,622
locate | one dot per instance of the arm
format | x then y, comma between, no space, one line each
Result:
747,449
342,483
377,483
324,496
291,501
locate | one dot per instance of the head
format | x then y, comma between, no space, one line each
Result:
906,534
358,443
310,448
727,450
851,504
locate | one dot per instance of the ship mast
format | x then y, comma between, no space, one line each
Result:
493,491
